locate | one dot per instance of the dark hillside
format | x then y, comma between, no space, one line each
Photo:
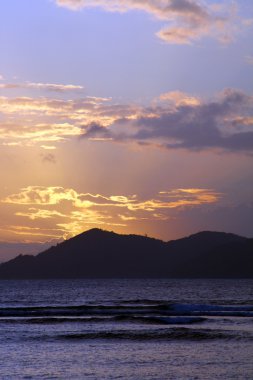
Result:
97,253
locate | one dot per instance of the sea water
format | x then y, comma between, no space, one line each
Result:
126,329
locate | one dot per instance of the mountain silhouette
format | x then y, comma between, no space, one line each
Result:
102,254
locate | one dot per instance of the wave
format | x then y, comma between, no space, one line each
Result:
145,310
166,335
120,318
210,308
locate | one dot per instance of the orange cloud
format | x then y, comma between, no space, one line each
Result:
32,232
28,121
68,212
34,213
179,98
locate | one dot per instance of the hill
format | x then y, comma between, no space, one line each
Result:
102,254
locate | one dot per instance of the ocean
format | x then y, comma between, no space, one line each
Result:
126,329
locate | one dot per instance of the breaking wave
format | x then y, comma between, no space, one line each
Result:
131,320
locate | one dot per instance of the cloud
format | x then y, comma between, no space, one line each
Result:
34,213
48,158
224,123
174,120
27,135
41,86
186,20
95,131
32,232
178,35
179,98
48,147
61,212
28,121
39,195
243,121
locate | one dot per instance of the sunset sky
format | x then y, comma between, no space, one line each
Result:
134,116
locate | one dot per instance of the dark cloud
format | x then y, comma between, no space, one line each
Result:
48,157
193,127
190,10
95,130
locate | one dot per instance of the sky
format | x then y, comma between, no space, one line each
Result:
134,116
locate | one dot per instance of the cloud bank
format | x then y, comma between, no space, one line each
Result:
188,124
175,120
57,212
